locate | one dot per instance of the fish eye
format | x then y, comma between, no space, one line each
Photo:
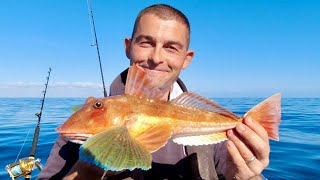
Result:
97,105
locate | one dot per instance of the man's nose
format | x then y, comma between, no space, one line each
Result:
156,56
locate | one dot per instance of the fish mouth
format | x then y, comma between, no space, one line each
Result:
76,137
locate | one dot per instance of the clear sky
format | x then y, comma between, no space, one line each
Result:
242,48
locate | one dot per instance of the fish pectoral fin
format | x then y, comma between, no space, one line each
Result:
201,139
140,84
115,150
155,137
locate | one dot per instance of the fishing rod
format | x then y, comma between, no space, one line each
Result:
26,165
93,28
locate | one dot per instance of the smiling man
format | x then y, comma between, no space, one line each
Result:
160,45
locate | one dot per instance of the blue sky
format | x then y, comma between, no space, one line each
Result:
248,49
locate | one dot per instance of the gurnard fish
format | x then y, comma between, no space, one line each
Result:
121,132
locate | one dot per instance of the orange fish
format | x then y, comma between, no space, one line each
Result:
126,129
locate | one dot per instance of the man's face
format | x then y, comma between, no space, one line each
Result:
161,48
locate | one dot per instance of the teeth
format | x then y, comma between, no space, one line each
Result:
77,141
76,137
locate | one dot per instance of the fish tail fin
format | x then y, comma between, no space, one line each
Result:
268,114
115,150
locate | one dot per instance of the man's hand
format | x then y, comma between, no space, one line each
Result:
249,150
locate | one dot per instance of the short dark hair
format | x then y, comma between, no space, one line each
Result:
165,12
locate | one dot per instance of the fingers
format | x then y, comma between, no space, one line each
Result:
242,148
243,157
257,128
249,148
252,139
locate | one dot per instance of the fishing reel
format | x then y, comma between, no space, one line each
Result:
23,167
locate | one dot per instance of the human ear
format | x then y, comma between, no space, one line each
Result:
127,44
188,58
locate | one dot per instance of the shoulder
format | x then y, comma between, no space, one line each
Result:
117,86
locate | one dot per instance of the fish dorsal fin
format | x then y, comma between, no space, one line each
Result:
196,101
201,139
140,84
115,150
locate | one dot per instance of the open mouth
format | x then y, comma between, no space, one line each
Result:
76,138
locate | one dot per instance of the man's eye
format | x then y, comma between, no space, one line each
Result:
171,49
146,44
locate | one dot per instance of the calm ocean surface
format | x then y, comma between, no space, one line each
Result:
295,156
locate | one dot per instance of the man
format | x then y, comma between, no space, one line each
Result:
160,45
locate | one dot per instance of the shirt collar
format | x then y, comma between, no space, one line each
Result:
175,91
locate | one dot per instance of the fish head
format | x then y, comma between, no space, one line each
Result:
92,118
